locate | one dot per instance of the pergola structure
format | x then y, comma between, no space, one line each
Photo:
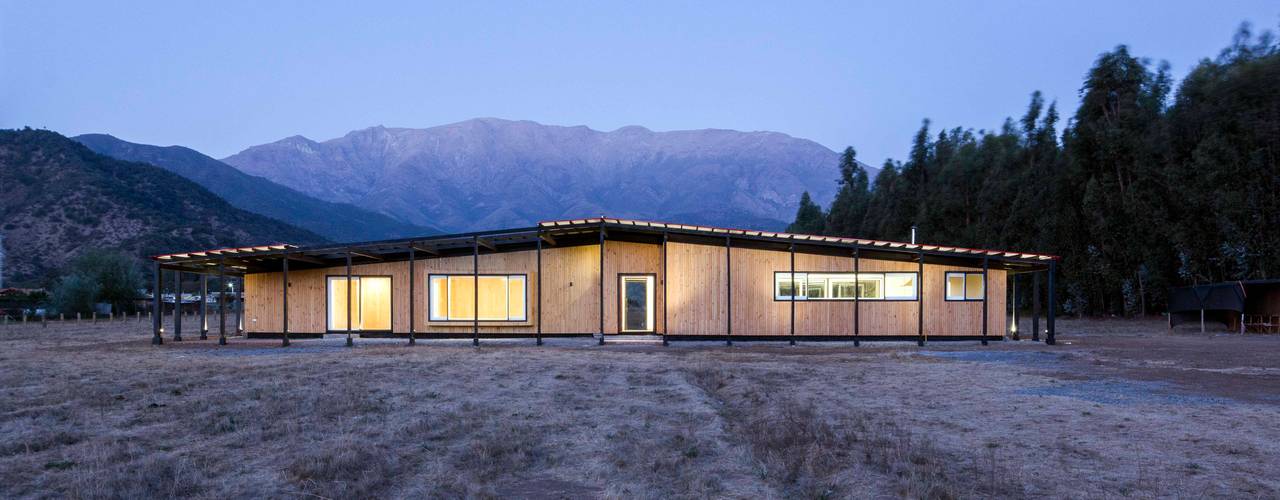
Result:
236,262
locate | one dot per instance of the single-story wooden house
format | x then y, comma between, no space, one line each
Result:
606,277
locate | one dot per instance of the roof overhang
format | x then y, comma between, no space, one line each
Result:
266,258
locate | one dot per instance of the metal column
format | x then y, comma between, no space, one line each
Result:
601,283
177,305
665,330
475,291
920,301
237,303
1035,307
204,307
413,283
539,291
350,342
157,307
985,266
1053,304
222,302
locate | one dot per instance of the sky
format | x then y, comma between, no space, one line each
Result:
222,76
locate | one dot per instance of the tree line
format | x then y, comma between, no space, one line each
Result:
1144,188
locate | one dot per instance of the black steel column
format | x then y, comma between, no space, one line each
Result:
284,293
794,290
157,307
601,282
1035,307
984,298
350,342
665,329
1053,304
177,305
857,292
539,291
920,301
204,307
475,291
413,283
222,302
728,278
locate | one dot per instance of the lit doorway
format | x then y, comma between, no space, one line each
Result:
635,303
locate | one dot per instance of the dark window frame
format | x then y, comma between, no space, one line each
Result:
946,276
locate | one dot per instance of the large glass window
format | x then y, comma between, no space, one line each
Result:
370,303
843,286
452,297
964,286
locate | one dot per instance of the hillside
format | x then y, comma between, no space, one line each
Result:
335,221
490,173
59,198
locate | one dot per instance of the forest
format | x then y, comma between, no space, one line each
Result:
1146,187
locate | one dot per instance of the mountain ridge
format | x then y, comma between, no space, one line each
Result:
61,198
335,221
489,172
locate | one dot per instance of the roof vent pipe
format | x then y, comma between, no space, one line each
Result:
913,235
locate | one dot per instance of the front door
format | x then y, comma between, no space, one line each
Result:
636,303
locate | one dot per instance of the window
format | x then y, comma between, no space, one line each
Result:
451,297
843,286
964,286
370,303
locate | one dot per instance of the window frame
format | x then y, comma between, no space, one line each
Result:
964,295
858,276
328,282
525,314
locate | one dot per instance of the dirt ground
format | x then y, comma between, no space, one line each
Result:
1118,408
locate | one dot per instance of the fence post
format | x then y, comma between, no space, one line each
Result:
93,317
77,317
44,323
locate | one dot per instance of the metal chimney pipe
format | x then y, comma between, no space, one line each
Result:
913,235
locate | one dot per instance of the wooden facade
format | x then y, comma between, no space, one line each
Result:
703,286
696,288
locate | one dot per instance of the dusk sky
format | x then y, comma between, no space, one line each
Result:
219,79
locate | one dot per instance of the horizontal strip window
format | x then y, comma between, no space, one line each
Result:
962,286
452,297
844,286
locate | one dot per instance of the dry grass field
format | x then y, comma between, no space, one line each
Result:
1120,408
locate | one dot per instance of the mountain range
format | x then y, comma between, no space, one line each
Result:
491,173
334,221
59,198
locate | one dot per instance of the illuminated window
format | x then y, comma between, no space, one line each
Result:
370,303
964,286
843,286
452,297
